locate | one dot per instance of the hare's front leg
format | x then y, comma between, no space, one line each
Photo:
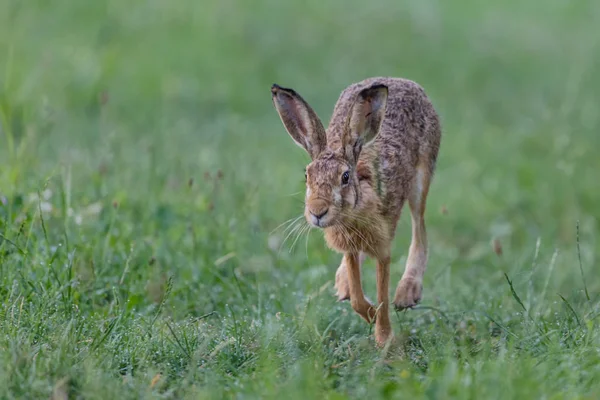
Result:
383,327
357,297
342,286
410,287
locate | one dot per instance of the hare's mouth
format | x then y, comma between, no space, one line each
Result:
323,224
323,221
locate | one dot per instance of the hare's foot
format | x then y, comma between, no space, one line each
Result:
342,286
383,335
408,293
364,308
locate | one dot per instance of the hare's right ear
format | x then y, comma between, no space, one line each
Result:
300,120
365,119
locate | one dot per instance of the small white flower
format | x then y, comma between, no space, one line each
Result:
45,207
93,209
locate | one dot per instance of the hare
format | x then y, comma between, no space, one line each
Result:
379,150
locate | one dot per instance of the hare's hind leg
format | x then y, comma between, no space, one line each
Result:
410,287
342,285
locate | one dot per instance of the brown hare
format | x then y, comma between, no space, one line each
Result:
379,150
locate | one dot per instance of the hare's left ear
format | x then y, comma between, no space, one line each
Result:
300,120
365,119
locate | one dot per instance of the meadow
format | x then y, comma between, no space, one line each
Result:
144,174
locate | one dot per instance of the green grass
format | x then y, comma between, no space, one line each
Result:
143,171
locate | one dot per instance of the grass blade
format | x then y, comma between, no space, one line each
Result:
587,295
111,327
16,246
185,350
514,293
571,309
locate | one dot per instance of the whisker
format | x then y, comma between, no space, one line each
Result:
348,237
295,237
357,231
289,221
362,238
306,244
356,217
301,232
292,225
294,229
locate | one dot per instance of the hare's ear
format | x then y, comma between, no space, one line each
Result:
365,119
300,120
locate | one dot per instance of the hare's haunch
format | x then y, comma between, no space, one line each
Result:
379,150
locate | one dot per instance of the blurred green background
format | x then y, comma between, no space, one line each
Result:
144,171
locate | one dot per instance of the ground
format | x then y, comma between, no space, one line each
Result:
144,173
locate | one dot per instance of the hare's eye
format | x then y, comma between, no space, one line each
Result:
345,178
305,176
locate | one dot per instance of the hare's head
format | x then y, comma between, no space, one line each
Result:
332,183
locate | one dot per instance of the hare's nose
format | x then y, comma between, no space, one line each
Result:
319,214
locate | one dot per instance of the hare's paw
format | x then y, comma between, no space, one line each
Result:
383,336
365,309
408,293
342,286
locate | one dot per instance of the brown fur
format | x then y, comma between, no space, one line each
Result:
385,135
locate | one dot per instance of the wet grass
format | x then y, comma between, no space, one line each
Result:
144,172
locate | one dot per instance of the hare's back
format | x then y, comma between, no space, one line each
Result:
411,124
409,135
